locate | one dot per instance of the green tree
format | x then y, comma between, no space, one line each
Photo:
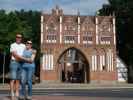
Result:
25,22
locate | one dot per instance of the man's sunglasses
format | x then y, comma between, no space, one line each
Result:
18,37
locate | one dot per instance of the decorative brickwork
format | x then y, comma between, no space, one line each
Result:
72,43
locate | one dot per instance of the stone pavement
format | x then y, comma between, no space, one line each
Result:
67,98
70,86
45,85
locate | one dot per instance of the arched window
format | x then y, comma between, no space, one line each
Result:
102,60
48,62
109,57
87,38
94,60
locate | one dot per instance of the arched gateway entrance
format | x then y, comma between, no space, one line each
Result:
74,67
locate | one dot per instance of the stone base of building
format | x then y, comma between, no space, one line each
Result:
94,82
98,77
104,75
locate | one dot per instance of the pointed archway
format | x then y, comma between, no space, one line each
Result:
74,67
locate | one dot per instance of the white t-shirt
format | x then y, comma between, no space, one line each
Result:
18,48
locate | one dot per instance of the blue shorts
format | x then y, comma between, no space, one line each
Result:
15,70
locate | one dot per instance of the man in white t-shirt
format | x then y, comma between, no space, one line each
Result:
16,50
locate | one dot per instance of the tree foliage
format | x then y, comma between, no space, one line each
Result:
25,22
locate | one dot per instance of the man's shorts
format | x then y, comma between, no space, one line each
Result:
15,70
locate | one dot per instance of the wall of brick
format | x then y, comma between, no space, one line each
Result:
106,76
48,75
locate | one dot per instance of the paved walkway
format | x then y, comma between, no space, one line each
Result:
68,98
81,86
73,86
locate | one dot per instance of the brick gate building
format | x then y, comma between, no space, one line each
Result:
77,48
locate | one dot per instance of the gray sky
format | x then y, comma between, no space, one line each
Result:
86,7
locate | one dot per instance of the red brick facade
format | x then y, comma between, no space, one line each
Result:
91,37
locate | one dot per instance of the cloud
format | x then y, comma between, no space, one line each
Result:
86,7
22,4
69,6
91,6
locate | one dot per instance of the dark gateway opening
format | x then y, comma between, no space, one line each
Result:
74,67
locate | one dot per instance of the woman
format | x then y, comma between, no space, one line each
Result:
28,69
